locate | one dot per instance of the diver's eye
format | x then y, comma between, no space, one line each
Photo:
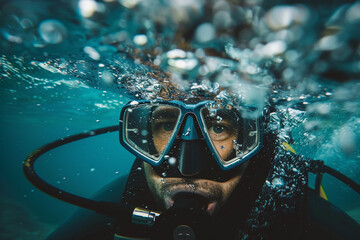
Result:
163,126
168,126
218,129
219,132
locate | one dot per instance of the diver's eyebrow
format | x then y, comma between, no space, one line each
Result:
224,115
166,113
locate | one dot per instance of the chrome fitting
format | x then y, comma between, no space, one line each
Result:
144,217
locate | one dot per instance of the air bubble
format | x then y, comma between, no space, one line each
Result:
267,182
277,182
130,3
107,78
192,186
134,103
205,32
347,140
281,17
172,161
92,52
87,8
52,31
140,40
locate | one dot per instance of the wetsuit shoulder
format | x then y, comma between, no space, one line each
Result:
326,221
86,224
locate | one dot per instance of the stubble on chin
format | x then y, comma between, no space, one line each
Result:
164,189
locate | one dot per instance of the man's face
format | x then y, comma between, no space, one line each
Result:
222,133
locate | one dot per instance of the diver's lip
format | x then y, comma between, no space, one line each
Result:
169,200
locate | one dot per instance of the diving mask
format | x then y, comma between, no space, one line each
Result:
152,129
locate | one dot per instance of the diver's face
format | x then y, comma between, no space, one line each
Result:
165,188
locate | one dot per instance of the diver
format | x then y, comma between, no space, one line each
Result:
207,169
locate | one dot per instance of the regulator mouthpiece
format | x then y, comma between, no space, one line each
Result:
190,201
187,219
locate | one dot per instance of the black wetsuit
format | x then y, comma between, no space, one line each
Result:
311,217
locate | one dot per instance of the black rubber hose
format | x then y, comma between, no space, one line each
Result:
110,209
355,186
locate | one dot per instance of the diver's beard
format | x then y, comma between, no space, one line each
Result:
165,188
170,187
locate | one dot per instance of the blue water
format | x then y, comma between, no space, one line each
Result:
81,167
77,76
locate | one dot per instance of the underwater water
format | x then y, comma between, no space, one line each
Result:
69,66
31,118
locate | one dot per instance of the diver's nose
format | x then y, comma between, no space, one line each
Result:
190,162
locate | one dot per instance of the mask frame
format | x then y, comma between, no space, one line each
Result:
186,110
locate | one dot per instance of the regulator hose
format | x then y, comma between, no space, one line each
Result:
318,167
113,210
351,183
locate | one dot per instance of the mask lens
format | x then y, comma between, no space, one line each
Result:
149,128
231,135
